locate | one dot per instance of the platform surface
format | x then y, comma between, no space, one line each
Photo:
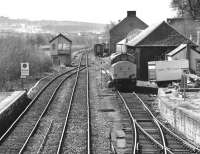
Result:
190,105
7,98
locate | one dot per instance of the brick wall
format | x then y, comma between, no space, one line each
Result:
120,31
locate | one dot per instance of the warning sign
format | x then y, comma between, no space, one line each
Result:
24,70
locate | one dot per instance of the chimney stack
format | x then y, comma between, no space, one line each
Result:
131,13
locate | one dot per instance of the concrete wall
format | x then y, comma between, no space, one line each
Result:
181,121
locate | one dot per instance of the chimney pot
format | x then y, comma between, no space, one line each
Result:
131,13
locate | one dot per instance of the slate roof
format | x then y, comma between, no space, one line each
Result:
125,20
161,34
60,35
132,34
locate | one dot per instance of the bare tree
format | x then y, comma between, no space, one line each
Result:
187,8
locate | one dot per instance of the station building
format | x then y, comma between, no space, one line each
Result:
153,44
184,51
61,50
120,31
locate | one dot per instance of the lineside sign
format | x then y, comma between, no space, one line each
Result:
24,70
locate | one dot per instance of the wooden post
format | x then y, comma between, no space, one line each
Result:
101,75
22,83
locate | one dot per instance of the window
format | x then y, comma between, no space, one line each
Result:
53,46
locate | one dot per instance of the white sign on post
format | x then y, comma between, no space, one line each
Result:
24,70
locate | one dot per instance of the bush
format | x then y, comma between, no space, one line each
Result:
13,51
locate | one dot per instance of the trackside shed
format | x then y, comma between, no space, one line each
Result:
61,50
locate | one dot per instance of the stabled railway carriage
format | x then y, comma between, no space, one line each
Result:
98,49
123,71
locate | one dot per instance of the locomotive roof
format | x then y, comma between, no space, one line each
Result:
118,54
122,62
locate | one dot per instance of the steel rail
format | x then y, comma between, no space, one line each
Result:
30,104
68,111
88,109
164,148
149,136
134,147
187,144
45,110
155,121
45,137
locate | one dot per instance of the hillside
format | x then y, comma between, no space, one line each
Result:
50,26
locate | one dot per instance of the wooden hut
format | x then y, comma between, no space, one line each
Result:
61,50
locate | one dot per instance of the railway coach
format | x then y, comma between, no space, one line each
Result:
98,49
123,71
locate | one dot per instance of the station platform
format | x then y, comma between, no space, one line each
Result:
182,113
11,106
8,98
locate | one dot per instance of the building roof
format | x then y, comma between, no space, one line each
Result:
161,34
60,35
131,15
176,50
132,34
179,49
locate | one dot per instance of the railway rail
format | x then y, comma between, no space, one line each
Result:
75,136
17,137
150,135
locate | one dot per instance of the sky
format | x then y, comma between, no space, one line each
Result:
97,11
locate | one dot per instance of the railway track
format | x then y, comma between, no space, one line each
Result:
75,136
151,136
19,135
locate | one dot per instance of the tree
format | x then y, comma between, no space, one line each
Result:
187,8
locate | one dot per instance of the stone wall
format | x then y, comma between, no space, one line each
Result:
181,121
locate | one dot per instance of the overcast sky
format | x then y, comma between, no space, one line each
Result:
99,11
